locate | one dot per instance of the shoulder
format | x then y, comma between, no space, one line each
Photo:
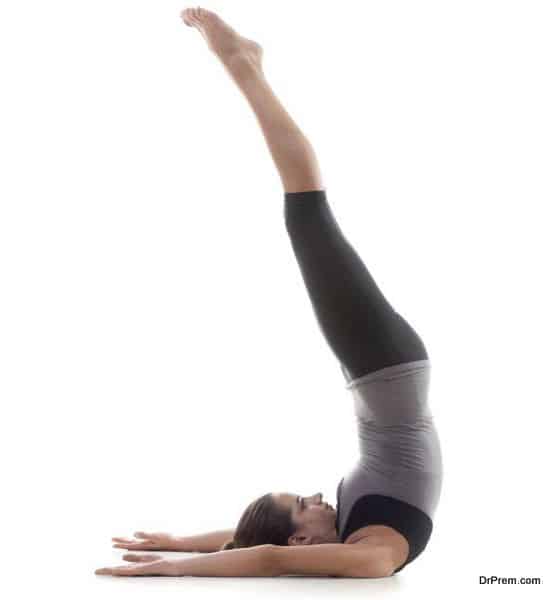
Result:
384,543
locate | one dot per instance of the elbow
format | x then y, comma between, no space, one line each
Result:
379,569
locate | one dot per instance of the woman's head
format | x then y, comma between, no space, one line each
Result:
285,519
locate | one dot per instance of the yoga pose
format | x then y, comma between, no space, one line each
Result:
386,502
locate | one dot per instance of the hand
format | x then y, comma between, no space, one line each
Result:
147,564
146,541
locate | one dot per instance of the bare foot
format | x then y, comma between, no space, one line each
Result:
236,52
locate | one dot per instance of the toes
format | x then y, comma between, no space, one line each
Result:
206,16
200,17
189,17
186,17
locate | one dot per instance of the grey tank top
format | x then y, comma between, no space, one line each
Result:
397,478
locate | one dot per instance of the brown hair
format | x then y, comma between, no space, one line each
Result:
263,522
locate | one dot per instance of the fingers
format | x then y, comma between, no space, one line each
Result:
158,567
148,541
146,535
127,544
141,557
142,534
137,534
124,570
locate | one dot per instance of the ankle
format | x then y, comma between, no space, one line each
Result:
246,61
243,70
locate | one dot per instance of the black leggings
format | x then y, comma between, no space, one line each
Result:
364,332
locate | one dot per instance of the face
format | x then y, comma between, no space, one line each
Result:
314,519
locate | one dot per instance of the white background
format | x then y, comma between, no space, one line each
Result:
160,362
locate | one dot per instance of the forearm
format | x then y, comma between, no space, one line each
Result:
204,542
244,562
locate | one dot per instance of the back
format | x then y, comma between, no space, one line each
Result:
397,478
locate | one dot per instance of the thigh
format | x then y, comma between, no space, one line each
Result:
363,330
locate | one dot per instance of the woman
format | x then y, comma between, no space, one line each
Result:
385,504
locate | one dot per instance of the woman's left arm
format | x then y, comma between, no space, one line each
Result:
240,562
267,560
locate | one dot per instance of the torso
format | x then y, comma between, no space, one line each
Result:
385,401
382,535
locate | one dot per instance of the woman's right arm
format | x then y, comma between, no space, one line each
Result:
203,542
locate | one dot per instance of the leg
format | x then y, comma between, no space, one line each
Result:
292,153
360,326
